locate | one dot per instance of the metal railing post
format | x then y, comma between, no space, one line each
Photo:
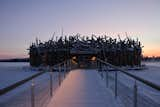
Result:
69,65
107,77
98,66
59,75
32,94
116,74
64,69
135,95
65,66
51,84
101,70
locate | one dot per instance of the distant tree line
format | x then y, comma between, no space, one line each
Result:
116,51
152,58
15,60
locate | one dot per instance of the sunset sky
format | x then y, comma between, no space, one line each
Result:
21,21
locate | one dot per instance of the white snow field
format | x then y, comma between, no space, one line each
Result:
11,73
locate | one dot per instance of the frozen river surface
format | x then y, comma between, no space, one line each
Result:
11,72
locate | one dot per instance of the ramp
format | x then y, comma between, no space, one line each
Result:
83,88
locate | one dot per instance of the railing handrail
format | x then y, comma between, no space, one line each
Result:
15,85
19,83
146,82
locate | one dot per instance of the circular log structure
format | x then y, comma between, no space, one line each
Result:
119,52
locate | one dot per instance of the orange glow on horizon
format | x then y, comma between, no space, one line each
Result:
151,52
12,56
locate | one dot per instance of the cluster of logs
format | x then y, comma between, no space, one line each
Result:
115,51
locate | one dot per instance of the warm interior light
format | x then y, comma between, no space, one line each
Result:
74,57
74,60
93,58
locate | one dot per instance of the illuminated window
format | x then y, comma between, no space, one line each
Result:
93,58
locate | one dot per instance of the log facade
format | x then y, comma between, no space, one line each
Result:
127,52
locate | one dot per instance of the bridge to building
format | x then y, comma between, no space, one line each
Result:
83,88
100,85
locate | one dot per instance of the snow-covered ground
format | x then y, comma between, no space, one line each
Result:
20,97
147,96
11,73
152,73
152,63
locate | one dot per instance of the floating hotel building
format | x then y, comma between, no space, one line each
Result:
83,49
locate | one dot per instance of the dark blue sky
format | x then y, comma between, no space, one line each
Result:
21,21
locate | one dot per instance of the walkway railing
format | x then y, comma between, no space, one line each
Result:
36,90
132,90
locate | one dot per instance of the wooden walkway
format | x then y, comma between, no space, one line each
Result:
83,88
